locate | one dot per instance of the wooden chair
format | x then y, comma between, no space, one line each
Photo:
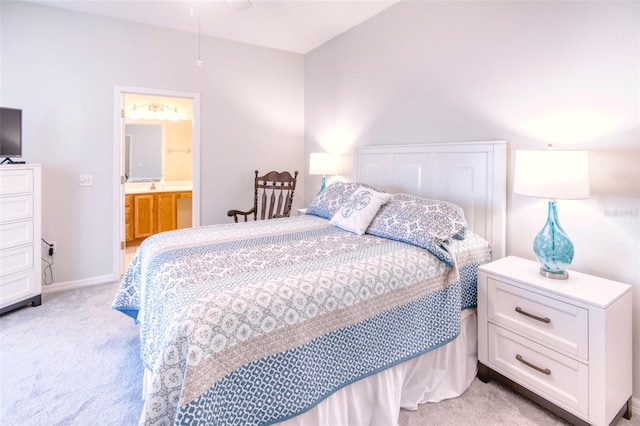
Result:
271,205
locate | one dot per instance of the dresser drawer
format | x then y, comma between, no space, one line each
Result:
559,377
16,260
559,324
16,234
16,208
17,287
16,181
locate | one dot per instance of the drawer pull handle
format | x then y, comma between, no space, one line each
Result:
527,314
535,367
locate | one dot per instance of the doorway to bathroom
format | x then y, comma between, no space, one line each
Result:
157,161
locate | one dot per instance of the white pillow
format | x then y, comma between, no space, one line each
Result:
358,211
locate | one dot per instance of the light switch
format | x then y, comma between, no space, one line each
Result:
85,180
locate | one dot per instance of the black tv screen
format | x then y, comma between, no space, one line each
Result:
10,132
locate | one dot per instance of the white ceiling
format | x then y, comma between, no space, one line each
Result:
292,25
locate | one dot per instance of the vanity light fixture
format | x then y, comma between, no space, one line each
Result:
154,111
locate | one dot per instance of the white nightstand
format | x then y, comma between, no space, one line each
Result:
564,344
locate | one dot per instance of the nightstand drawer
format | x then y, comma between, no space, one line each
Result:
550,321
550,373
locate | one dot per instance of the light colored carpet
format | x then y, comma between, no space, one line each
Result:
74,361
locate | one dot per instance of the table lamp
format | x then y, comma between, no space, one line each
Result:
554,175
324,163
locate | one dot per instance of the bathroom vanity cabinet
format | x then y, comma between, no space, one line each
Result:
149,213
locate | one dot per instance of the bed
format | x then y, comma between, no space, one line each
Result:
305,320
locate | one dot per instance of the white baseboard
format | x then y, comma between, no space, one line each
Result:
69,285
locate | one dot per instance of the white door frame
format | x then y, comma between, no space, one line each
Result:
118,162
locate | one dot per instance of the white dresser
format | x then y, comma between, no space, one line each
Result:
20,222
565,344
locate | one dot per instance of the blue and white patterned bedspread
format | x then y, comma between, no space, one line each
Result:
254,323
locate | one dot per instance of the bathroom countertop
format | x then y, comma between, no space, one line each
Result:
146,187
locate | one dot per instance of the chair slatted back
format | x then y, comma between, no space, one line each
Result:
272,196
276,191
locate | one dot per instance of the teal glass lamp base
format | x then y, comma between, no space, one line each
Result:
553,248
323,184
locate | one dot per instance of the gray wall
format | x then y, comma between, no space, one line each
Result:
531,73
61,68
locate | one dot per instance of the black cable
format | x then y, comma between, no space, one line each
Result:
44,271
49,263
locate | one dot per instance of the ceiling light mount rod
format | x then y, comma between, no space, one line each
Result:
199,60
239,4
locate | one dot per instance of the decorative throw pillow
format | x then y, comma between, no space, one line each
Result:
423,222
329,201
357,213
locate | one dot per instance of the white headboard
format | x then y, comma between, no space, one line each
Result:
469,174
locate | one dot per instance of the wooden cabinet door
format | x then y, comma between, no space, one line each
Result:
144,216
128,217
167,212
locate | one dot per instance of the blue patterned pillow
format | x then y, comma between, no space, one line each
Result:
329,201
423,222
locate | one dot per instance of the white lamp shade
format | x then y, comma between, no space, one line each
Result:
324,163
552,174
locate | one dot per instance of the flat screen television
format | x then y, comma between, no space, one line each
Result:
10,134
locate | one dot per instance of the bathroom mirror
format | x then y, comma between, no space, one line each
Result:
143,152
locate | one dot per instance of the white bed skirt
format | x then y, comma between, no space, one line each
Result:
443,373
376,400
